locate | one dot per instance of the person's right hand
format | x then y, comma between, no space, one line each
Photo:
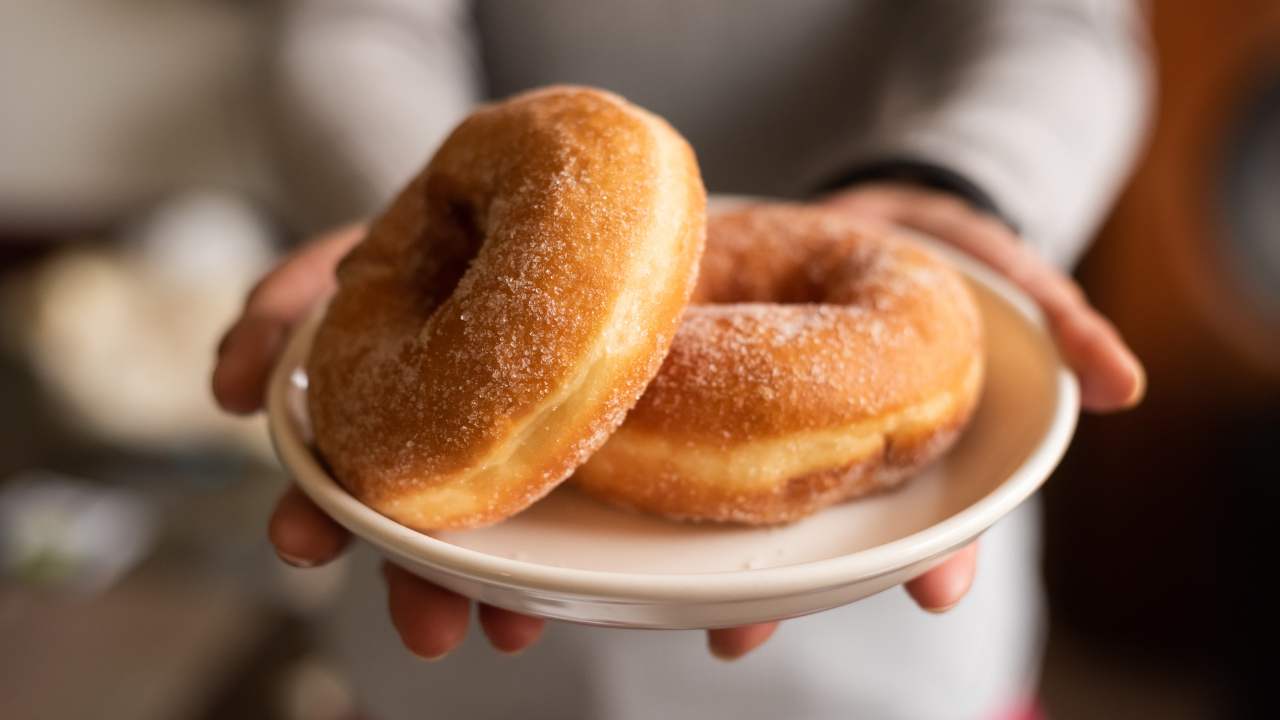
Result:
431,620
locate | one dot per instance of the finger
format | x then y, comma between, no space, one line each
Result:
308,273
244,363
733,643
248,350
1111,376
943,587
302,534
509,632
868,204
431,621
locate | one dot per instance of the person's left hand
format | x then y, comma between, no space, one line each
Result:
1111,378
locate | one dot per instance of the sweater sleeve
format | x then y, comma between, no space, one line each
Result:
1040,104
363,91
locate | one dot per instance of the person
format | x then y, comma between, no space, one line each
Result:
1002,127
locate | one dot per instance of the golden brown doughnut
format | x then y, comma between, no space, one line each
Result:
507,309
820,361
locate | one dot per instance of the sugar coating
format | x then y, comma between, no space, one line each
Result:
805,319
476,313
822,360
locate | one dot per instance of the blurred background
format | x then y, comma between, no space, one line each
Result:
138,202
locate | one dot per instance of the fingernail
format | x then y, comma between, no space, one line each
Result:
294,560
721,655
430,658
510,653
1139,387
222,344
941,609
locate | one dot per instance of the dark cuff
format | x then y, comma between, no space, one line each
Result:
925,174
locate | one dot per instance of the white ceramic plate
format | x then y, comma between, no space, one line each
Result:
570,558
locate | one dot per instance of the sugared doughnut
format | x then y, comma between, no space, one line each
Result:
820,361
507,309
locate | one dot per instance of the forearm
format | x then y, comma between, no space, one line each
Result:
1038,103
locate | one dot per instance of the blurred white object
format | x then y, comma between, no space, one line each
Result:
62,531
314,690
124,336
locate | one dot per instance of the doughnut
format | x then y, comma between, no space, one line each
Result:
507,308
819,361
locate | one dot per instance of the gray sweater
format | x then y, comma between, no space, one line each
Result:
1037,102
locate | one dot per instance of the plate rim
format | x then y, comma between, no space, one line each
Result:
729,585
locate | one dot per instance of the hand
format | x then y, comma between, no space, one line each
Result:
431,621
1110,376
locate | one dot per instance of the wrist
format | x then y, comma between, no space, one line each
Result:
926,175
